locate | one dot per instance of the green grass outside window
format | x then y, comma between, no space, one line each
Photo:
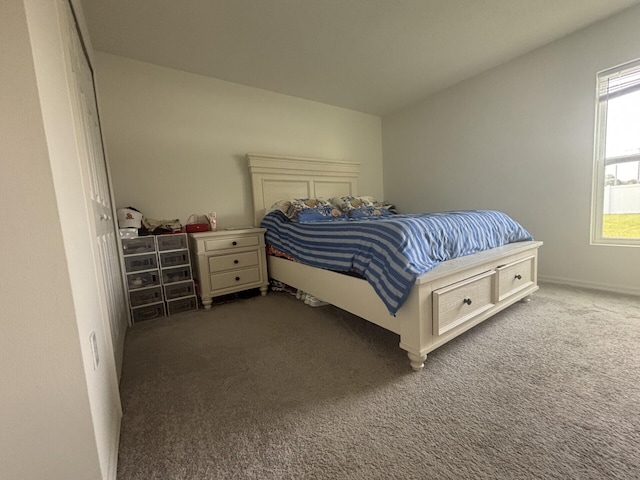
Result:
621,225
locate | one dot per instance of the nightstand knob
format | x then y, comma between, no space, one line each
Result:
467,301
235,261
518,277
234,243
237,279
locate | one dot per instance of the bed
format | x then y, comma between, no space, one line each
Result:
446,301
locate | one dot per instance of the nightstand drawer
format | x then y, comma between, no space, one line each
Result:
233,242
514,277
235,278
462,301
233,261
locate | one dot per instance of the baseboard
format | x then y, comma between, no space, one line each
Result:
589,285
112,469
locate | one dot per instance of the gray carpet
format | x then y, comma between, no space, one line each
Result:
269,388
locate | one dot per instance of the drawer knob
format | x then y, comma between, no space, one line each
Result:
518,277
234,243
235,261
467,301
237,279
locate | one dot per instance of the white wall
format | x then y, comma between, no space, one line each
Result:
177,141
519,138
60,417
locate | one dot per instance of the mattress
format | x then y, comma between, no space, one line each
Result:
391,252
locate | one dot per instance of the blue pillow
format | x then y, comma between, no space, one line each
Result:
375,211
318,214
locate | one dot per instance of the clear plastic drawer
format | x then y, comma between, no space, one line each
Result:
182,305
172,241
145,296
176,274
148,312
179,290
136,263
173,259
132,246
143,279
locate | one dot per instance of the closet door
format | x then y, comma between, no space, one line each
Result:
96,185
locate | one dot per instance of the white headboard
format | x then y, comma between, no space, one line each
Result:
276,177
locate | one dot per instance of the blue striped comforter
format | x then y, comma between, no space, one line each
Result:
391,252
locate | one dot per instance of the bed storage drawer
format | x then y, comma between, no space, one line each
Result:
233,261
458,303
235,278
234,242
515,276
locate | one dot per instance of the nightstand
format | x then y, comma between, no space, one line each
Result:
229,261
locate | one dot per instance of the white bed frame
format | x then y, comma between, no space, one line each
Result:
443,303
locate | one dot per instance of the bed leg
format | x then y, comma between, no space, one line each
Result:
417,361
526,299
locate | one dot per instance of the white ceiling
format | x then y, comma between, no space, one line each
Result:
373,56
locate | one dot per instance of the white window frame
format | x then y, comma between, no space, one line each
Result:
601,162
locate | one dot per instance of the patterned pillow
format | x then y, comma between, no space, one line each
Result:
363,206
308,209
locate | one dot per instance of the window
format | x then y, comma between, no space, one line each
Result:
616,185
